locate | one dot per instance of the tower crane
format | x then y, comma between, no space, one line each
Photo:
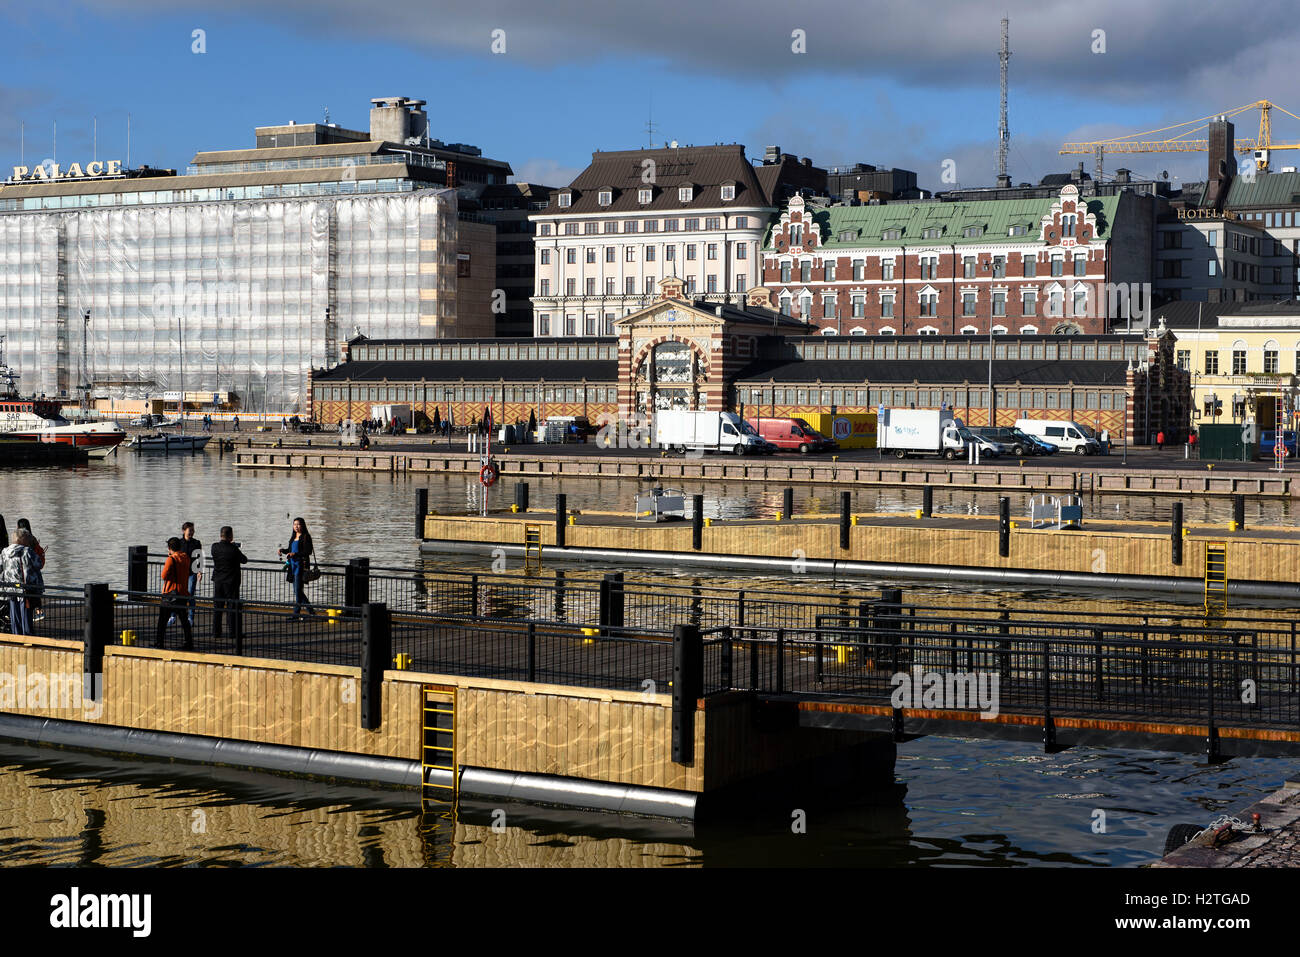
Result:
1184,142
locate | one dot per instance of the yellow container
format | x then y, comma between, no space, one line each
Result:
333,615
850,430
514,507
917,513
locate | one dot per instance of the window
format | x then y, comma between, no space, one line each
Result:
1184,359
711,284
628,227
973,232
785,305
932,232
999,303
610,253
651,226
929,304
929,267
1212,362
742,222
728,191
1058,265
644,196
1067,226
650,254
629,254
1080,301
543,323
690,251
670,225
1017,230
546,229
591,285
740,284
711,251
828,307
604,198
1055,302
999,267
570,286
796,235
691,225
1214,267
887,306
629,285
611,226
685,193
713,222
828,270
545,289
570,325
968,267
1238,361
968,304
546,257
566,199
670,253
607,328
848,235
1271,357
859,304
609,286
570,229
805,271
742,250
1212,237
1031,266
859,269
589,326
886,269
1081,265
649,285
591,254
891,234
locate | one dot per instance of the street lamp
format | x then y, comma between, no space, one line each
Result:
447,394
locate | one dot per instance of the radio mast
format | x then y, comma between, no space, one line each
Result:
1004,135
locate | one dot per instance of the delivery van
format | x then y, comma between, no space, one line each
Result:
1065,435
790,434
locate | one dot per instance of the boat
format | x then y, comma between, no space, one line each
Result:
161,442
41,420
102,451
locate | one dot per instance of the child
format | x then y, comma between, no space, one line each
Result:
176,580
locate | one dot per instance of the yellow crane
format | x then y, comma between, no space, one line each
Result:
1262,145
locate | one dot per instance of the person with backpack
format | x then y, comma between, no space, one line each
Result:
34,601
297,556
21,580
175,579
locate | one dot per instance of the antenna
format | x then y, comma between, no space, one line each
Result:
128,141
327,116
56,141
1004,134
94,139
650,127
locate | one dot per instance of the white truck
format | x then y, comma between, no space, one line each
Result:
686,431
1066,435
919,432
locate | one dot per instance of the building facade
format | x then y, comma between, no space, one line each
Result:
1031,266
634,217
508,207
247,272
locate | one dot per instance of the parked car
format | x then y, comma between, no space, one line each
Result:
309,428
1011,440
1064,434
986,446
1268,441
790,434
144,421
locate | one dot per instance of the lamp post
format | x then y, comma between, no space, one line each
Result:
447,396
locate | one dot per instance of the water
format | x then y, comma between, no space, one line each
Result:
956,802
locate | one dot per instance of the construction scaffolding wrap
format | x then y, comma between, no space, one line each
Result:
249,292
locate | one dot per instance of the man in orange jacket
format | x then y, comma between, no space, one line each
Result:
176,582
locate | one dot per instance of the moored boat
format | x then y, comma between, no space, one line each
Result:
161,442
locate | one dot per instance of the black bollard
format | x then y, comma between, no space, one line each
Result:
1004,527
787,504
521,496
421,510
1176,533
927,501
376,656
137,568
561,516
1239,511
697,522
846,503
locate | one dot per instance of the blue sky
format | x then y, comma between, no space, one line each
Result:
909,85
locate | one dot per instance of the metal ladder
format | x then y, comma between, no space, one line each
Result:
438,750
1216,579
532,549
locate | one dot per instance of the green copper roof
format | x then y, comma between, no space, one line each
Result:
869,225
1264,189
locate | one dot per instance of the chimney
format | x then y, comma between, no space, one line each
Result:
771,154
395,119
1223,164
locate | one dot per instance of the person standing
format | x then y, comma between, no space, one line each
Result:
236,423
175,579
20,575
1160,441
226,578
298,555
194,549
34,599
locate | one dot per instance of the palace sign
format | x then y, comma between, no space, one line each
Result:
46,172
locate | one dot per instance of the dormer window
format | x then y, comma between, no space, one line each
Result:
685,193
605,197
848,235
973,232
728,191
892,234
932,232
1018,230
644,196
566,199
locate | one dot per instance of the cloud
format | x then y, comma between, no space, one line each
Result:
545,172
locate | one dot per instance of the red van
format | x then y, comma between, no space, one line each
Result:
791,434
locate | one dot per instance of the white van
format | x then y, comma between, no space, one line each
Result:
1064,434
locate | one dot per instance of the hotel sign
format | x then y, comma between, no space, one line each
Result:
46,172
1195,213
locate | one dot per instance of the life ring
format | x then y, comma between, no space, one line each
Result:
488,475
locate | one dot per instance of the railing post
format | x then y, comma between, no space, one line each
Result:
787,504
1004,527
137,569
1212,735
97,631
561,516
688,680
1176,541
1049,723
1099,684
927,501
356,583
780,661
697,522
846,500
740,611
376,657
817,635
421,510
532,651
753,664
726,657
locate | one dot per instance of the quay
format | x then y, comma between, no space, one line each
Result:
1271,841
660,700
994,550
858,469
14,452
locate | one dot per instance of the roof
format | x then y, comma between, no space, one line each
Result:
706,168
1108,372
1264,189
149,184
473,370
868,223
363,148
1206,315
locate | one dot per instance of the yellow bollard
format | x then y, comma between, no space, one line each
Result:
591,635
917,513
778,516
1232,525
835,458
1015,525
708,523
514,507
1210,466
334,614
128,637
573,520
402,662
853,520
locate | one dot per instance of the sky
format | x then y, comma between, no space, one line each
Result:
903,83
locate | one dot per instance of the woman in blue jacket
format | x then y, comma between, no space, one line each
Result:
298,557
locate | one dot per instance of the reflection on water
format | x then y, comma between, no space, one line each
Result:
957,802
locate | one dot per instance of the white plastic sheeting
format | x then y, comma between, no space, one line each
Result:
239,289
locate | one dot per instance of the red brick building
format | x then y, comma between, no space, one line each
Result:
1027,266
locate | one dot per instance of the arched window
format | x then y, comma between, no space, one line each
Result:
999,330
1271,353
859,331
968,330
1239,358
928,331
886,330
1029,330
